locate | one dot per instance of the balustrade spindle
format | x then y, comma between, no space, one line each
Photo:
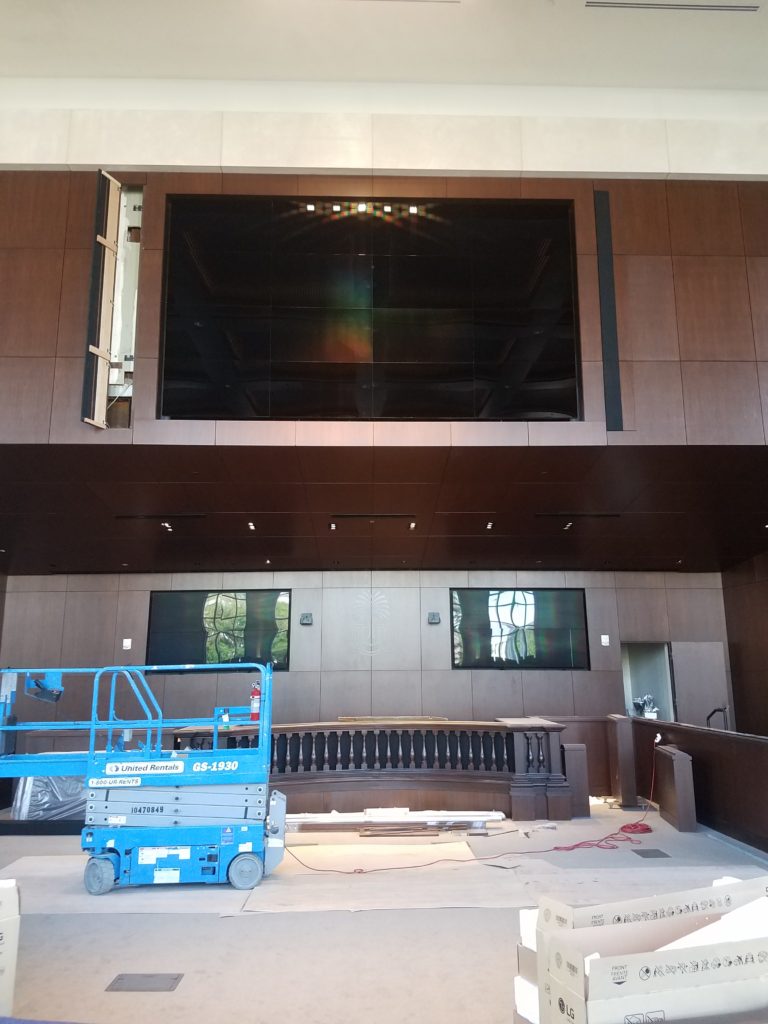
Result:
282,752
453,749
406,746
474,741
464,749
293,746
370,749
333,751
345,744
499,751
442,748
357,749
542,760
319,762
529,752
382,750
394,760
487,744
418,748
430,747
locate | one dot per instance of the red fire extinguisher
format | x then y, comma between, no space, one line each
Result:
255,701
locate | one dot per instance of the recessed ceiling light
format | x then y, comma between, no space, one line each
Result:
331,526
411,526
568,526
268,561
310,207
413,209
387,209
336,208
251,526
489,525
362,207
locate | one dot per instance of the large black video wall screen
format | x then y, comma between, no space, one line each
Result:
516,628
298,308
203,627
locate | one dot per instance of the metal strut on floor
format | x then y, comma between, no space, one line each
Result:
155,815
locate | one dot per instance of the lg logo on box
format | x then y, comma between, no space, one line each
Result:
566,1010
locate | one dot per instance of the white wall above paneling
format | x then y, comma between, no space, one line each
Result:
383,128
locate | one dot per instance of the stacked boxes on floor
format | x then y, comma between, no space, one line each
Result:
700,954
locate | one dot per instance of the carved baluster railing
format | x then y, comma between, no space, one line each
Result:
418,748
307,752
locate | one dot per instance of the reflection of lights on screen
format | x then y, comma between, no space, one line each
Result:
310,207
489,525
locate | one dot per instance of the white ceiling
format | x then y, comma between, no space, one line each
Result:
500,42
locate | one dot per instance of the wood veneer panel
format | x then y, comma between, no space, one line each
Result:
652,397
753,200
645,307
576,189
483,188
26,386
696,614
149,304
33,209
81,211
713,310
397,186
722,403
589,309
639,220
757,276
30,287
72,338
259,184
704,218
356,186
642,614
158,188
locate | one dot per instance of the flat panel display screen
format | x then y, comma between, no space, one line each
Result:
532,629
299,308
204,627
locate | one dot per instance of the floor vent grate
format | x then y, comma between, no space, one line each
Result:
144,983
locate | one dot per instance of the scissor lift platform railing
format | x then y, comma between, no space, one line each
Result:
157,815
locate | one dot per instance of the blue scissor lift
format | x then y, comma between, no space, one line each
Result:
154,815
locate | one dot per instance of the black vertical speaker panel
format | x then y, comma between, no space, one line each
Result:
610,335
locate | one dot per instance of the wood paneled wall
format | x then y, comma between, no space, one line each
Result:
691,268
745,597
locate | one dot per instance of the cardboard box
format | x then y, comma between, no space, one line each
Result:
717,970
9,943
555,916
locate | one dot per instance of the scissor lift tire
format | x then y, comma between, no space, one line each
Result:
99,876
245,871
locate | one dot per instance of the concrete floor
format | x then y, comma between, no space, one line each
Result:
447,964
